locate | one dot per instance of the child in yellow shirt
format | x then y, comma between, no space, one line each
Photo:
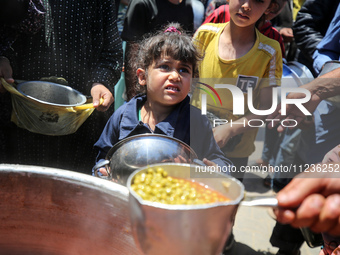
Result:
236,53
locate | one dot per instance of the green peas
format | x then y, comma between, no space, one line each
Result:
156,186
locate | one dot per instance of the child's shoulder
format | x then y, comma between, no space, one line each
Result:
268,45
212,28
187,108
196,116
128,107
206,33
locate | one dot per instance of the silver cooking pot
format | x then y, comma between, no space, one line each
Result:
47,211
51,93
58,212
138,151
188,229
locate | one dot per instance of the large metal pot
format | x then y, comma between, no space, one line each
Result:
56,212
138,151
185,229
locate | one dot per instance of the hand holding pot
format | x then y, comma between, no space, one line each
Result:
5,72
99,91
317,196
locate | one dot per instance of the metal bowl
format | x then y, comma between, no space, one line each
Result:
57,212
51,93
141,150
185,229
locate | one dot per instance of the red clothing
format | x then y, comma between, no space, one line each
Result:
221,15
268,30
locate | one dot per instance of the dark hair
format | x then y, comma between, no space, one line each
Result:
276,7
170,41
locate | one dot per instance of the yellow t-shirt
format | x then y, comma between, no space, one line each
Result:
264,60
296,7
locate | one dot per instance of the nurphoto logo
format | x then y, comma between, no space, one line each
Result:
238,102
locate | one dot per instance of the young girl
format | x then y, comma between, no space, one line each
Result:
238,51
166,65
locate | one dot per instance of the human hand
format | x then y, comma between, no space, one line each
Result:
209,163
306,123
287,34
316,195
222,135
5,72
99,91
333,155
293,112
104,174
103,171
180,159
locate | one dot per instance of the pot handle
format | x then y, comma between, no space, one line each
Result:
100,164
87,106
269,201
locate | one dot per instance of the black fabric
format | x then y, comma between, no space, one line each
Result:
13,11
310,27
83,46
286,238
147,16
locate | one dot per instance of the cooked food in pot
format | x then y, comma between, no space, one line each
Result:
156,186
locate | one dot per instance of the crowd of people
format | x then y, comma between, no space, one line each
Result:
169,51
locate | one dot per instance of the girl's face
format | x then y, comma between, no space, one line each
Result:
168,81
247,12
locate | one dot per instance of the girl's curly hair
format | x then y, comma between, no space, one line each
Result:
171,41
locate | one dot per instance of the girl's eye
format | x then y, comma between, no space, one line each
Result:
164,67
259,1
184,70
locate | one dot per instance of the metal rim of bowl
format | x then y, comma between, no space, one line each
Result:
181,207
148,135
54,84
67,176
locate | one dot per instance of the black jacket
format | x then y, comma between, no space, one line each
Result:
311,25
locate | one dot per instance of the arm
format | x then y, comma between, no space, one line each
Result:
202,140
109,136
283,22
328,48
333,155
317,196
311,24
287,34
213,156
5,72
223,133
321,88
109,66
